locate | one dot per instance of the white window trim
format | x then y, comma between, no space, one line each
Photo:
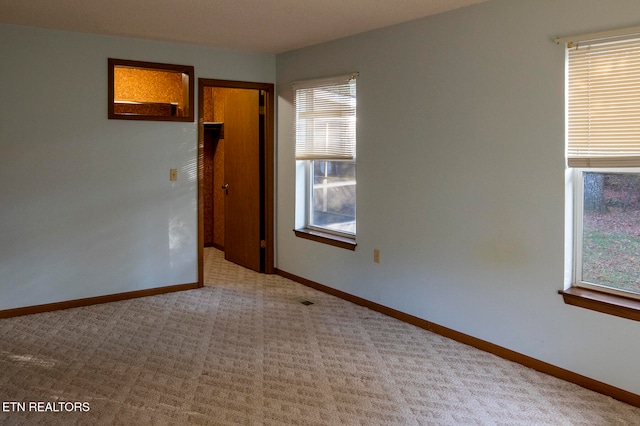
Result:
578,212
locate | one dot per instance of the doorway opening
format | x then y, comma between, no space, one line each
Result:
236,172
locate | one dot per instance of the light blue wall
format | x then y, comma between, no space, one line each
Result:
461,179
86,204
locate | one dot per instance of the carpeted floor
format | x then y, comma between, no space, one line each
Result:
245,350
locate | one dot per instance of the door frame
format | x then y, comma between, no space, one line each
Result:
266,180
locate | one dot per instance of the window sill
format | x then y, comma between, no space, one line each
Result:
326,238
602,302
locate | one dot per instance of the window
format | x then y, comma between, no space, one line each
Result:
325,129
603,151
149,91
608,253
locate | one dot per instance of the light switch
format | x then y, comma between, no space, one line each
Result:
173,174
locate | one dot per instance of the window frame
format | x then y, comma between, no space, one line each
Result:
578,231
346,240
309,198
576,292
187,72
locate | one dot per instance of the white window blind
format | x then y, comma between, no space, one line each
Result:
604,103
325,124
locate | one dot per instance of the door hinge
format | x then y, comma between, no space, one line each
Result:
261,111
263,244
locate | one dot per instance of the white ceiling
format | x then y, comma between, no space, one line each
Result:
268,26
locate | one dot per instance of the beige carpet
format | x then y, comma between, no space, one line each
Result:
246,351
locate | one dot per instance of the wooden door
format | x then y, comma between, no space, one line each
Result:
242,178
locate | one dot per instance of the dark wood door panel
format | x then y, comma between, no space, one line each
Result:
242,175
